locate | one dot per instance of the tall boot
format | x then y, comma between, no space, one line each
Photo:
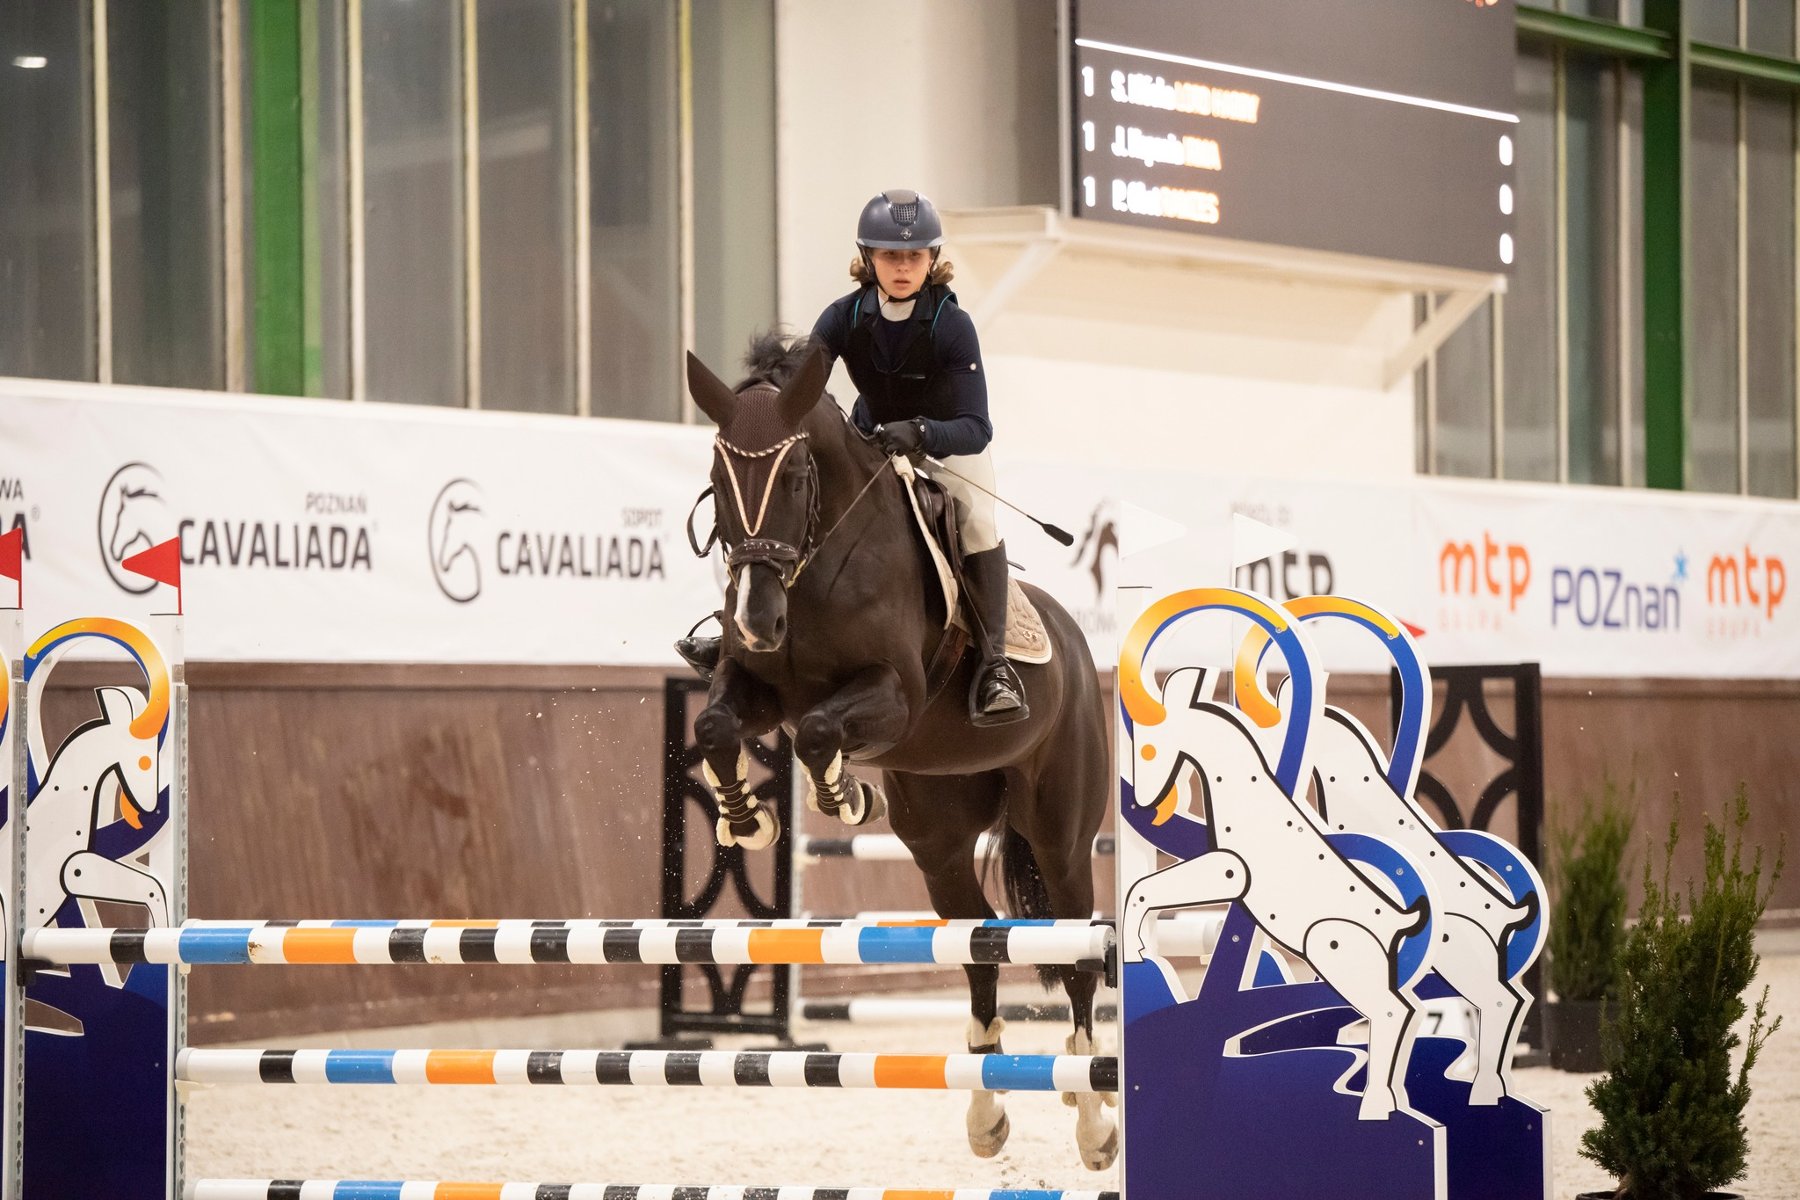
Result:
701,653
997,696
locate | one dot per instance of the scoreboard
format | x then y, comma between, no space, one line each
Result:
1382,128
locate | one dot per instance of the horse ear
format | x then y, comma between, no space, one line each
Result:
804,389
121,705
709,391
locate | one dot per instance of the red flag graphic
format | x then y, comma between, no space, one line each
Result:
12,554
161,563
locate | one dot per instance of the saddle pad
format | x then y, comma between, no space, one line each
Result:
1027,641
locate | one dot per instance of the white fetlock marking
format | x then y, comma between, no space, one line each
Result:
988,1124
989,1036
1096,1133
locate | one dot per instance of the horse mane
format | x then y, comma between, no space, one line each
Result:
774,355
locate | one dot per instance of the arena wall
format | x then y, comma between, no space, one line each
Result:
534,792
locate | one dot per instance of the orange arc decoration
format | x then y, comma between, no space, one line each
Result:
1140,705
156,671
1251,698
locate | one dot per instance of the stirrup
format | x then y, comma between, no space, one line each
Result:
700,653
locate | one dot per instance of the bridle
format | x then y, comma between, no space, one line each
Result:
788,559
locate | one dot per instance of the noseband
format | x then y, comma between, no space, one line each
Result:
785,557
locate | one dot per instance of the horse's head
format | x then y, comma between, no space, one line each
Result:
767,489
130,757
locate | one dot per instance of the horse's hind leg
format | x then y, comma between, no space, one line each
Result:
939,818
1059,821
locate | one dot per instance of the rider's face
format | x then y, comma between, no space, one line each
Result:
901,272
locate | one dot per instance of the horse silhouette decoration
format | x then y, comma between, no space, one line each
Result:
103,773
1489,914
1351,907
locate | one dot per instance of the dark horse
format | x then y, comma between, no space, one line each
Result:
831,619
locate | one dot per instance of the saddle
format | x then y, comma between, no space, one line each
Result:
934,516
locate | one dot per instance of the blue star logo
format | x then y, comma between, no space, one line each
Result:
1681,566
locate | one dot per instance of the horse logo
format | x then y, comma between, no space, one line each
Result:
450,532
133,517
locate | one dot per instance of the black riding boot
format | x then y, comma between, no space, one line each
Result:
700,653
997,696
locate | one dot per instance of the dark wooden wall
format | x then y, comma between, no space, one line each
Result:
435,791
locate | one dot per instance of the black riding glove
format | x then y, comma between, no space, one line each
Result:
902,437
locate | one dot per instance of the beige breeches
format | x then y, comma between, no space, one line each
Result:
974,507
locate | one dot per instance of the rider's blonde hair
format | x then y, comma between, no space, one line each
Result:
942,271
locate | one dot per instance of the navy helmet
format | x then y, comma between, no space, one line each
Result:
899,220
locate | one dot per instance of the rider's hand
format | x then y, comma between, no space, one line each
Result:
902,437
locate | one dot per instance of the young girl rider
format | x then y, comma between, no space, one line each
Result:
912,353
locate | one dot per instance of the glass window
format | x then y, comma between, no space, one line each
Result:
1712,351
734,173
1465,398
1769,317
1422,385
1770,26
1529,387
1714,21
1591,158
634,216
165,191
46,191
412,201
1631,98
524,87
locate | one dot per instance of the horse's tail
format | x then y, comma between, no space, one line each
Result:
1026,896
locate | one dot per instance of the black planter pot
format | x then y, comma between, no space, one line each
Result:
1575,1035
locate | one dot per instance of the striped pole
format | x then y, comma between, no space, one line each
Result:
344,1189
1081,944
926,1008
886,847
656,1068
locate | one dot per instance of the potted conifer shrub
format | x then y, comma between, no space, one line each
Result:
1671,1108
1587,924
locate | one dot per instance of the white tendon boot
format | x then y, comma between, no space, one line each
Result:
1096,1133
845,797
735,805
988,1123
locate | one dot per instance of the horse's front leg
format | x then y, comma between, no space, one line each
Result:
871,708
739,706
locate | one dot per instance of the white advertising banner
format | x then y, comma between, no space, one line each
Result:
315,530
1585,581
320,531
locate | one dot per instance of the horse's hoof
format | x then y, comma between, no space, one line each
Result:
1101,1156
767,828
867,806
987,1143
1070,1099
